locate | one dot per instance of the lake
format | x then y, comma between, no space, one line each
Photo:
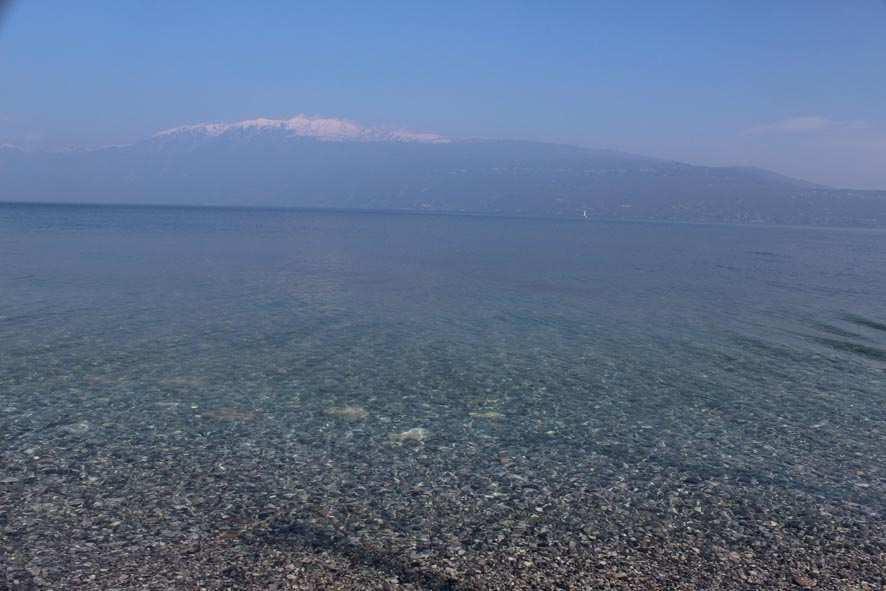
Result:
319,399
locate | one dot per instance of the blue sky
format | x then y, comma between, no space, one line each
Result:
798,86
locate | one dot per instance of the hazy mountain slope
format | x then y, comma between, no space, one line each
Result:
333,163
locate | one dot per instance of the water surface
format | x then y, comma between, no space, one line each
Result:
172,375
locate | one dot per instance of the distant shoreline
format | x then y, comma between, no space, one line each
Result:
446,213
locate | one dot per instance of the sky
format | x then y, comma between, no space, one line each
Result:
797,86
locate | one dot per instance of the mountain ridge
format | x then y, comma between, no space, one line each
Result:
327,162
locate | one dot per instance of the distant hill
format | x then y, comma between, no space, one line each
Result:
317,162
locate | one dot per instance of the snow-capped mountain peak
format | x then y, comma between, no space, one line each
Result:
321,128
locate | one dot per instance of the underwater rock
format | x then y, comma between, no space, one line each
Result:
805,582
76,428
416,435
230,413
350,412
487,414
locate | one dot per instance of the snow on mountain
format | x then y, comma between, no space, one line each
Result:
321,128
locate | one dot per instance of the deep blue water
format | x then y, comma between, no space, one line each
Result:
754,356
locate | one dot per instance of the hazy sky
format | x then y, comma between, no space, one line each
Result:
798,86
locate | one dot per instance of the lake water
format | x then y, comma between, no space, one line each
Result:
321,399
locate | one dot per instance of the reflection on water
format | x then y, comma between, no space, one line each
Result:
438,400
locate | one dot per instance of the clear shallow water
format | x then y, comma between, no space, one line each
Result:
200,358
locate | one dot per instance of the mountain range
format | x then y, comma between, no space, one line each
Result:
335,163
